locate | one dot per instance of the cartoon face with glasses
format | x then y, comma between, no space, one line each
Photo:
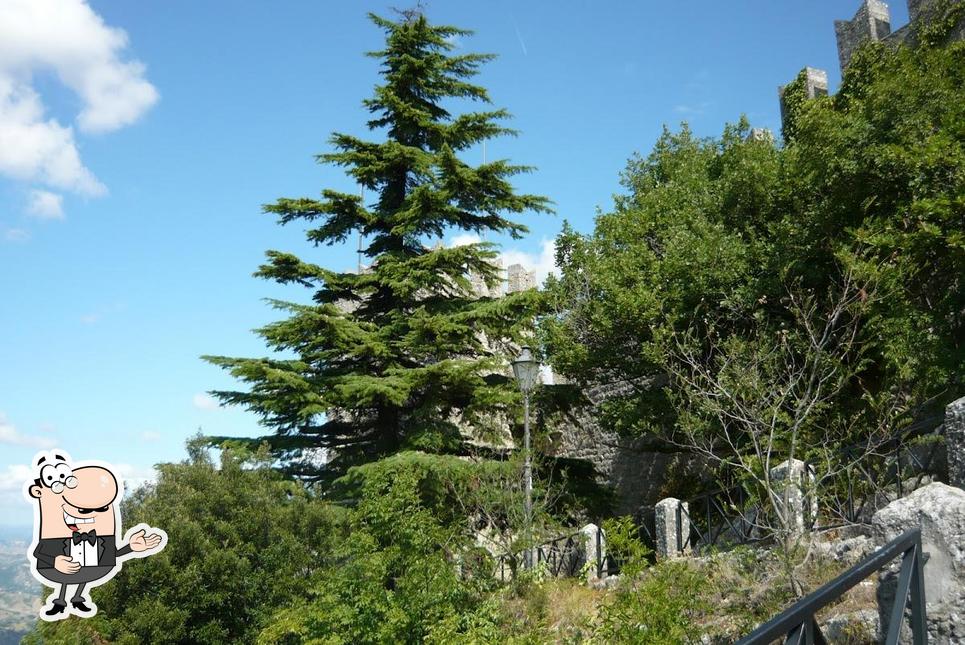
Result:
56,476
76,531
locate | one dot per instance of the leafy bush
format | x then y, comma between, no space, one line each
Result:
395,577
654,605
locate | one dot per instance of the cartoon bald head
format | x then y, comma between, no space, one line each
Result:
73,500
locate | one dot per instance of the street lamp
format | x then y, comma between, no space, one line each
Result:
526,369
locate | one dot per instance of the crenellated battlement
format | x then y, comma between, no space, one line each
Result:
872,22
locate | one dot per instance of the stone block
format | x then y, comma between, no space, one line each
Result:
955,442
594,546
940,512
672,522
793,481
871,22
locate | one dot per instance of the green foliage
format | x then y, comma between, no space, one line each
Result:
394,357
396,577
713,236
938,23
794,102
689,238
654,605
886,167
242,542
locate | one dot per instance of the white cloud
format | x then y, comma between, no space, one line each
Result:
204,402
45,205
100,313
542,264
465,239
32,149
519,37
16,235
13,477
68,38
693,109
10,436
135,476
13,507
150,435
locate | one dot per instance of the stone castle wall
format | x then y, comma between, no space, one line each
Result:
872,22
636,475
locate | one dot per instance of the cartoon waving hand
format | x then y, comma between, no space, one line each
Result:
139,542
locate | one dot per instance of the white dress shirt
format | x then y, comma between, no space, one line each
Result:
84,553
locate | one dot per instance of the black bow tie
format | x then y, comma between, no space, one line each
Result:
90,536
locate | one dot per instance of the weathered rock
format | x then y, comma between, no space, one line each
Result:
940,512
861,626
955,442
848,550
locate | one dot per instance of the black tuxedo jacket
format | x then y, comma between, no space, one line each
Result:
107,552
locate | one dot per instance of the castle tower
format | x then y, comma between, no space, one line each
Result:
760,134
871,22
915,8
816,83
929,10
519,278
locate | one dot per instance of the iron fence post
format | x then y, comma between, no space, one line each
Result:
599,554
918,627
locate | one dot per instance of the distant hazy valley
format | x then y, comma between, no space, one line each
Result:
19,592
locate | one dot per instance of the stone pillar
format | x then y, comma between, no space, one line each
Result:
672,523
594,546
794,480
955,442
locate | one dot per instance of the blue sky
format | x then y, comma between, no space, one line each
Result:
138,141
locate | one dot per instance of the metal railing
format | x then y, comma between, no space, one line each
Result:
798,624
719,516
729,516
563,556
897,467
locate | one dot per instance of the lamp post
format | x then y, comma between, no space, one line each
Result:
526,370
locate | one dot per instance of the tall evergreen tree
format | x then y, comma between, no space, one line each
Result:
404,354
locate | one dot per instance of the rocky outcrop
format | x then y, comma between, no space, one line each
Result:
940,512
955,442
861,626
847,550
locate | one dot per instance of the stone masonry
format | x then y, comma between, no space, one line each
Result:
817,85
635,474
872,22
672,528
519,279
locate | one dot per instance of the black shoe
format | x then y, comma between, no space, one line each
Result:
79,605
58,608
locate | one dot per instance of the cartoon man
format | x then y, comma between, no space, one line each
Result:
76,527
